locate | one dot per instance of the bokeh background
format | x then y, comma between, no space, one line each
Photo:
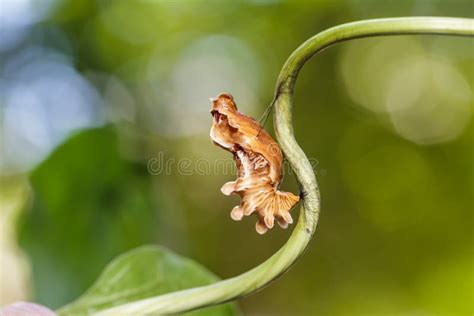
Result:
91,91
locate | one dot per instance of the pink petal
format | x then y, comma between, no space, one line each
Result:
25,309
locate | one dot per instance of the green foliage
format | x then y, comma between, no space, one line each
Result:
396,224
89,205
144,272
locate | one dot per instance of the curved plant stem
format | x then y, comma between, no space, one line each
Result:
253,280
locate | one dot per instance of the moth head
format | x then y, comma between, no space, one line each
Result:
223,104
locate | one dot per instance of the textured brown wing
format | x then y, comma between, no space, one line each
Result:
259,163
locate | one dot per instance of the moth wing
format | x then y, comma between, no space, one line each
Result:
244,124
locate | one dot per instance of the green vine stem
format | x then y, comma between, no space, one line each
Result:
260,276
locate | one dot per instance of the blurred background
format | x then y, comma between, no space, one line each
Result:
91,91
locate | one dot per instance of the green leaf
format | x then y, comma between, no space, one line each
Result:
141,273
89,205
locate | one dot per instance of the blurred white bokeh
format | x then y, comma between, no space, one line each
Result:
42,99
205,68
426,99
367,67
17,16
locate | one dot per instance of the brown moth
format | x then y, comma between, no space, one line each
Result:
259,166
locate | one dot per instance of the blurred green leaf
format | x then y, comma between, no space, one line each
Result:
145,272
89,205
